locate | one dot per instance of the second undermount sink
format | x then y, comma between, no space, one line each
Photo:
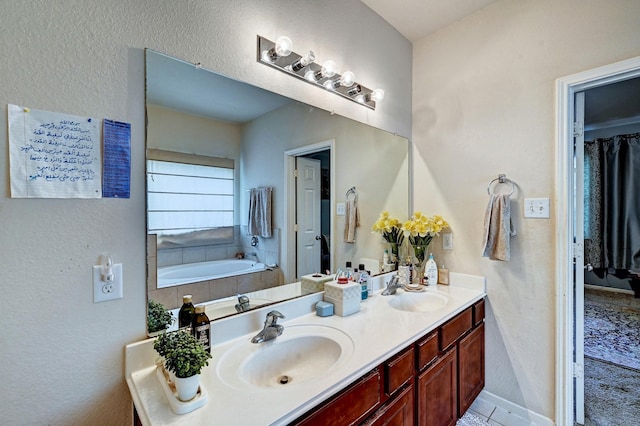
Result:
426,301
301,353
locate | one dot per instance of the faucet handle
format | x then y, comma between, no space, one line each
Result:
275,315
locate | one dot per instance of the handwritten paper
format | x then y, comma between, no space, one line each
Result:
117,159
53,155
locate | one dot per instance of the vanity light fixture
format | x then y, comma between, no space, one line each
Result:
280,55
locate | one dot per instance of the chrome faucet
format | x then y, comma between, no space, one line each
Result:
243,303
392,286
271,330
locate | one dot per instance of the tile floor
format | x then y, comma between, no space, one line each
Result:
497,416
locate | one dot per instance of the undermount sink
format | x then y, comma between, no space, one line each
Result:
301,353
426,301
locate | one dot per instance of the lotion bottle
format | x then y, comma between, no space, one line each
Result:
431,270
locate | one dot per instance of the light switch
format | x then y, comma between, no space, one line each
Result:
536,208
340,209
447,241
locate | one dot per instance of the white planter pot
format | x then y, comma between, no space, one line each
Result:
187,387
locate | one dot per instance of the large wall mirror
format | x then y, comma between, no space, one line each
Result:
248,190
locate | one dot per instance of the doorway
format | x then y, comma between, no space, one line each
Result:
569,249
309,200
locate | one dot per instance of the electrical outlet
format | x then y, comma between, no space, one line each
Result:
447,241
340,209
107,290
536,208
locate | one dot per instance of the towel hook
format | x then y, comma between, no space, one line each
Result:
502,178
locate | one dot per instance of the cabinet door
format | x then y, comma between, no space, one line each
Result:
400,412
471,368
437,392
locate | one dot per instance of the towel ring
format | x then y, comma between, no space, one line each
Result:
501,179
351,190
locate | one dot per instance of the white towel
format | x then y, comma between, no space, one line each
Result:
498,228
260,212
351,219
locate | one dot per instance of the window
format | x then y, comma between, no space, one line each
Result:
184,197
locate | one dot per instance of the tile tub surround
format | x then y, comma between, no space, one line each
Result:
378,331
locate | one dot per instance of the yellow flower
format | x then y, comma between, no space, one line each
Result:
421,229
389,227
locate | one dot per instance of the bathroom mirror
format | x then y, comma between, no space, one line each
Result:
229,144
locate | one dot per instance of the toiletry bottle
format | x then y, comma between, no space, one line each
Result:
201,328
431,270
348,271
385,260
443,275
187,312
362,280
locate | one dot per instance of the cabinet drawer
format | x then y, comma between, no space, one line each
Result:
400,411
427,350
349,407
455,328
399,370
478,313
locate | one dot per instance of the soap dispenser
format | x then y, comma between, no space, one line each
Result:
431,270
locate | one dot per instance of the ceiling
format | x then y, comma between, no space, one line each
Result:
416,19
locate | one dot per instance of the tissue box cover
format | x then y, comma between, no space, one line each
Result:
345,297
313,283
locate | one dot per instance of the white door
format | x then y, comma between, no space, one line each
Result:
578,254
308,216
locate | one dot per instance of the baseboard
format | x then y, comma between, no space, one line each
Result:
535,418
609,289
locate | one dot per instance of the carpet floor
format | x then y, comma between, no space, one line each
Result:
612,359
612,327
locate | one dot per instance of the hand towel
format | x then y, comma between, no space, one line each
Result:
260,212
351,219
498,228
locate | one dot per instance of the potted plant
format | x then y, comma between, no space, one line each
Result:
185,357
158,318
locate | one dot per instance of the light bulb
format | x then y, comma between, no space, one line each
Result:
360,99
329,69
347,79
377,95
302,62
330,84
310,75
283,46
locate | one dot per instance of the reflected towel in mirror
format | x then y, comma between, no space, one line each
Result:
351,219
260,212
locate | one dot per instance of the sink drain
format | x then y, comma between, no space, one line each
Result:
283,380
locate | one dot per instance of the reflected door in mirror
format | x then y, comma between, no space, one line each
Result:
308,215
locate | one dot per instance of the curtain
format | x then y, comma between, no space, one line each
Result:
621,201
593,247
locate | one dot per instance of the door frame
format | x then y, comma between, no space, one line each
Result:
289,245
566,88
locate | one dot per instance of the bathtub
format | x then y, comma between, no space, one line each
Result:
204,271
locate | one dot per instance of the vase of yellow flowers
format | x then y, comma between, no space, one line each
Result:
420,230
391,230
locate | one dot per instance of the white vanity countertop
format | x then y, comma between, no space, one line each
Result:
378,331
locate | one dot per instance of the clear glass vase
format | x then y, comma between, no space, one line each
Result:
419,263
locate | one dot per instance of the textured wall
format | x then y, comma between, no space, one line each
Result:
62,356
484,104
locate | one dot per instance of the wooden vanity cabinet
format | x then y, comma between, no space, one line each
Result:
432,382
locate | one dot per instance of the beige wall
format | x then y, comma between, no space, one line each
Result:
62,355
483,104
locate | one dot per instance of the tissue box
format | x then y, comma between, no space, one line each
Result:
345,297
313,283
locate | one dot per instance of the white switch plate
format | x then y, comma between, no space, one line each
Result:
340,209
104,291
537,208
447,241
